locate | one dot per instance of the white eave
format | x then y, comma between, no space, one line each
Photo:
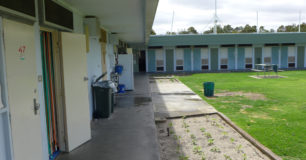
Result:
131,20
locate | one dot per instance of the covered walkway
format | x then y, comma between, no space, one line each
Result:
129,134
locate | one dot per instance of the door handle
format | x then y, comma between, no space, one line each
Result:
36,106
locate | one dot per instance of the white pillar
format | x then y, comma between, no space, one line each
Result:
236,57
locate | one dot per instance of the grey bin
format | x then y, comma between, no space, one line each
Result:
103,99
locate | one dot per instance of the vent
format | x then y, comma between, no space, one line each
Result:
19,8
228,45
55,15
184,46
201,46
245,45
272,44
155,47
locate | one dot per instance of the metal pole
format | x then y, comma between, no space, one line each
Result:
215,18
300,15
172,23
257,24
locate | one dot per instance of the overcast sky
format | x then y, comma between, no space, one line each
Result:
199,13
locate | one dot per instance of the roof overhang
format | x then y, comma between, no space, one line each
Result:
131,20
225,39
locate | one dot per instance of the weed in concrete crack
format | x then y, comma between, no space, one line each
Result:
183,157
175,137
225,133
215,149
170,124
197,150
232,140
239,147
202,130
185,125
208,135
192,136
203,157
194,142
210,141
220,126
244,156
227,157
171,132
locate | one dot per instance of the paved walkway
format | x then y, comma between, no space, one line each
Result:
173,99
130,133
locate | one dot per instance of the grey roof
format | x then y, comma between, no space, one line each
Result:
223,39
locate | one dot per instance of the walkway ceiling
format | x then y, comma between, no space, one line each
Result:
131,20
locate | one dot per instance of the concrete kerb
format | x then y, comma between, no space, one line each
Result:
244,134
248,137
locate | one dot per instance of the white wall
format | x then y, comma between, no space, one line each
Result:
94,69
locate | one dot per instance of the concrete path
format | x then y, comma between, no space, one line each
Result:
130,133
172,99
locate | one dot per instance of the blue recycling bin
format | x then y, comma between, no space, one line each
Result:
118,69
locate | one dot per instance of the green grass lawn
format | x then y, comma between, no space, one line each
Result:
279,122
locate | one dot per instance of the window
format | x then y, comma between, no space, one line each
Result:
291,57
159,60
224,58
205,64
179,59
267,60
180,65
267,55
204,59
159,65
291,61
248,61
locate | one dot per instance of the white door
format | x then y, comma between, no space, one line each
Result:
19,44
127,76
76,89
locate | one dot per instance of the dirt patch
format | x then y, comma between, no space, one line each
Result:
244,107
206,137
249,95
268,77
260,116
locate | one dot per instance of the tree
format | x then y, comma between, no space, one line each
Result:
153,32
249,29
183,32
170,33
192,30
238,29
211,30
262,29
292,28
281,28
228,29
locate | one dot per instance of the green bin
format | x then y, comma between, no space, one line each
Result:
209,89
